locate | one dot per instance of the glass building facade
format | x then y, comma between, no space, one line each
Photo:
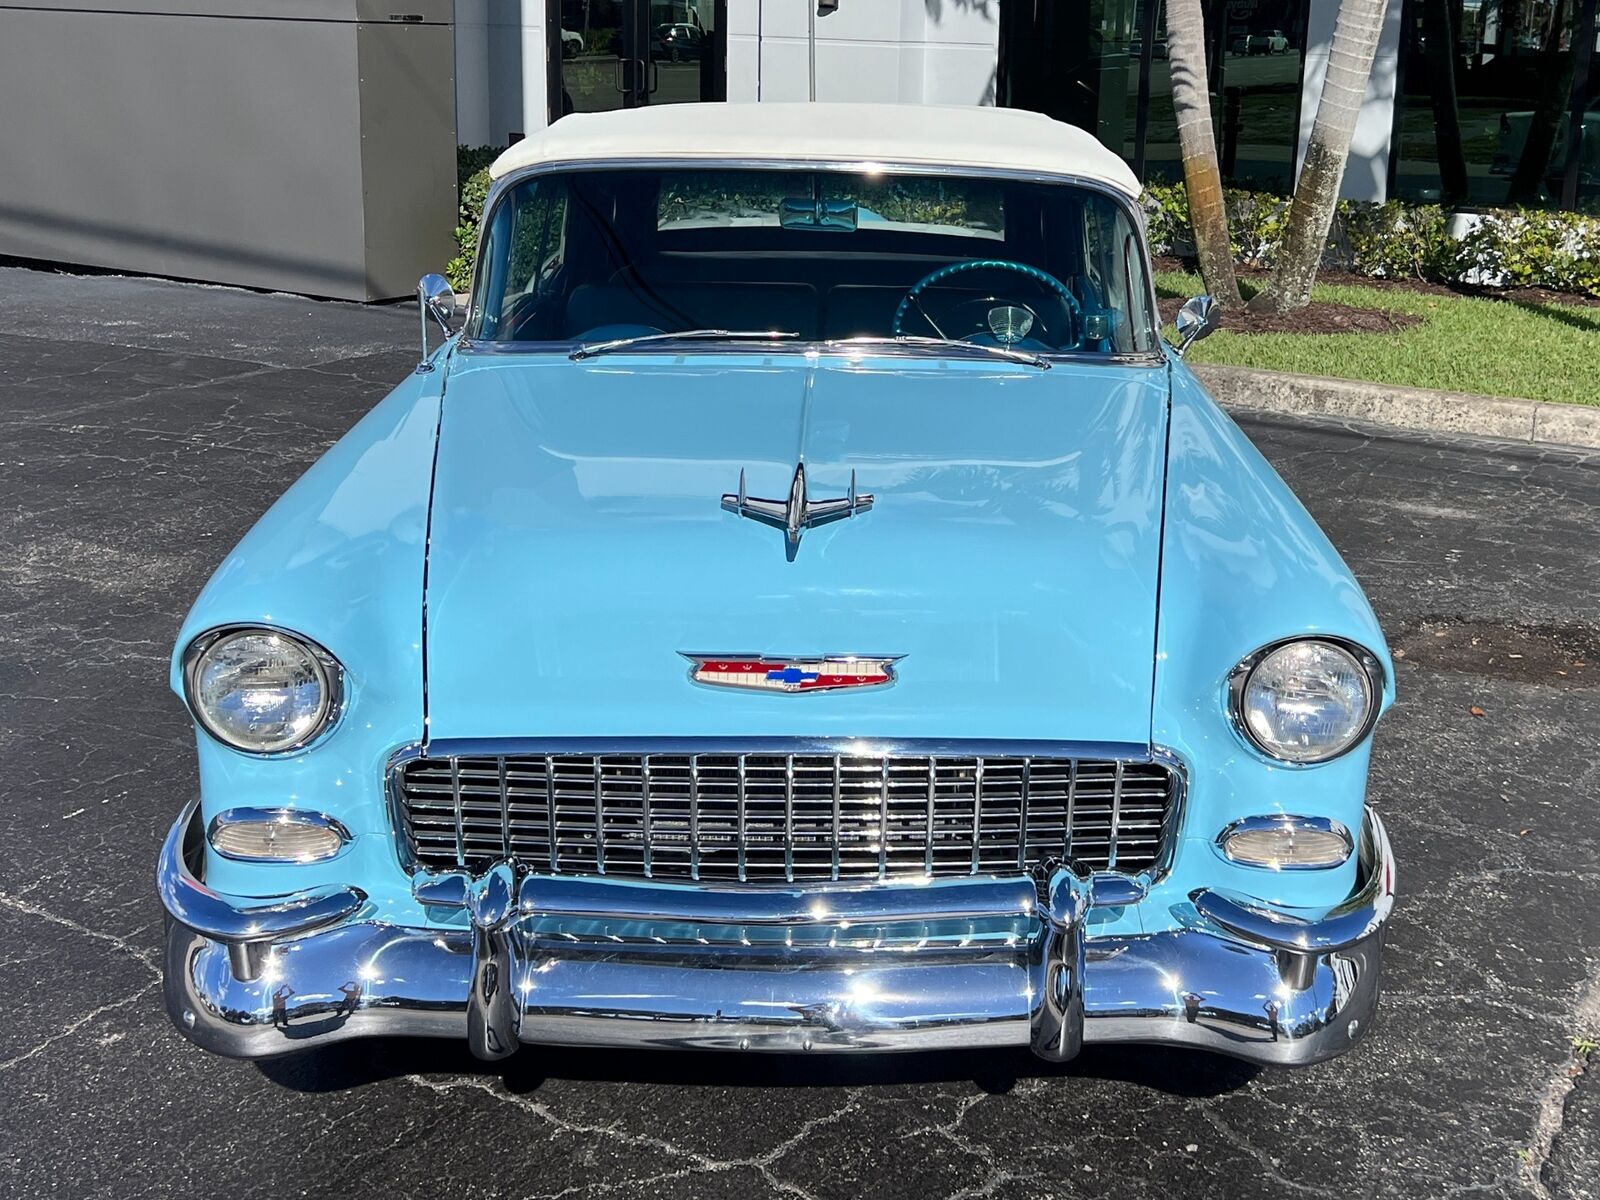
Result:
1484,91
1487,93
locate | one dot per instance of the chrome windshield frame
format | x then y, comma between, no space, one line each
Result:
466,344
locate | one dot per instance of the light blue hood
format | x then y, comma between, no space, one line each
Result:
578,545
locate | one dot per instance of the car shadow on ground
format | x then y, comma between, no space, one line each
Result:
1186,1073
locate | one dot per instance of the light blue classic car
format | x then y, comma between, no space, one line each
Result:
806,607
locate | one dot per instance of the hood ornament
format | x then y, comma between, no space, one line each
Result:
775,673
798,513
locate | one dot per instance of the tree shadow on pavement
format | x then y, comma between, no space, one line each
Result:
348,1065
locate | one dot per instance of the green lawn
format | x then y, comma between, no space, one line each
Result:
1464,344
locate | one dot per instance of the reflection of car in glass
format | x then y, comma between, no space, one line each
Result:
1271,41
1513,137
1158,46
678,43
807,606
1238,41
571,44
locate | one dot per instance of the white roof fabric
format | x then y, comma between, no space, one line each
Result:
913,134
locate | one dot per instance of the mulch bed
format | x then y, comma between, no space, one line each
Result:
1316,317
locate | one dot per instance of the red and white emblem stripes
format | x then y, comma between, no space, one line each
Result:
772,674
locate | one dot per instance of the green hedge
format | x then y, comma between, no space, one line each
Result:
1520,248
472,176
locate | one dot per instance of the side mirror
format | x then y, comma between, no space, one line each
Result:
437,298
1199,317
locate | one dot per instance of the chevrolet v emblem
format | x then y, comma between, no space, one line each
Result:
798,513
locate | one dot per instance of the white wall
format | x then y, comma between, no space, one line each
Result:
472,72
500,70
1366,173
903,51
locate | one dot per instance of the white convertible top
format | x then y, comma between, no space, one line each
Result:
913,134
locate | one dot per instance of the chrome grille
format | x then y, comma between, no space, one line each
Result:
775,818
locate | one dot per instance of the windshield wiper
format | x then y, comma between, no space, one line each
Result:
682,335
946,343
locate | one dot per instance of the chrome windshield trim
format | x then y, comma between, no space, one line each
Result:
917,341
717,336
825,348
1129,206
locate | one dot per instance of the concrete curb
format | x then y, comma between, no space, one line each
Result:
1534,421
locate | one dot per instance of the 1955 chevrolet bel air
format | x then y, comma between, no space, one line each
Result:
806,606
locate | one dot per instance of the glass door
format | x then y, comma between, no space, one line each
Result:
608,54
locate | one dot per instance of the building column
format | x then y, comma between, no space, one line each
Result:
515,52
1366,174
473,127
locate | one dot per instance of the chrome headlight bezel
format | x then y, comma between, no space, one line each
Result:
328,669
1239,680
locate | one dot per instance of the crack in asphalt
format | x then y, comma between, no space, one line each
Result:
1552,1112
998,1174
143,957
1267,1162
69,1030
701,1163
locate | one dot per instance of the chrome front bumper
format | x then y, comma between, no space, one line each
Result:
538,959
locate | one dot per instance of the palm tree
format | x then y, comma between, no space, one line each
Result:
1191,101
1355,39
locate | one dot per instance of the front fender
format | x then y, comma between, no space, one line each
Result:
339,558
1243,564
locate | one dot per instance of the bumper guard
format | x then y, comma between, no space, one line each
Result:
769,970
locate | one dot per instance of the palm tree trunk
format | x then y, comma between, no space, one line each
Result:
1355,40
1191,101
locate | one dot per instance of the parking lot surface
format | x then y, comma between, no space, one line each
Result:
148,424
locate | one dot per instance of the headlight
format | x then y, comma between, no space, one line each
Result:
261,690
1305,701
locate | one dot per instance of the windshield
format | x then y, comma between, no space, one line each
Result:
583,257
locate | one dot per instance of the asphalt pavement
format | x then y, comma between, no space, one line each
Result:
148,424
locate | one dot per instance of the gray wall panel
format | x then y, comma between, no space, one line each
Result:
223,149
434,11
407,114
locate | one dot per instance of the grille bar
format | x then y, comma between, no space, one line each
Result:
777,817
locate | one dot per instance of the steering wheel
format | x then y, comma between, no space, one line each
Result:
1043,278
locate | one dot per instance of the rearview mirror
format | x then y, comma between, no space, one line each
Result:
435,297
1199,317
807,212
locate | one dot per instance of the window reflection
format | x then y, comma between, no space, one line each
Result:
1255,59
1487,104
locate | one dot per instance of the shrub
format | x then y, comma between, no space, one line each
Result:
1394,241
1535,249
474,192
1521,248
